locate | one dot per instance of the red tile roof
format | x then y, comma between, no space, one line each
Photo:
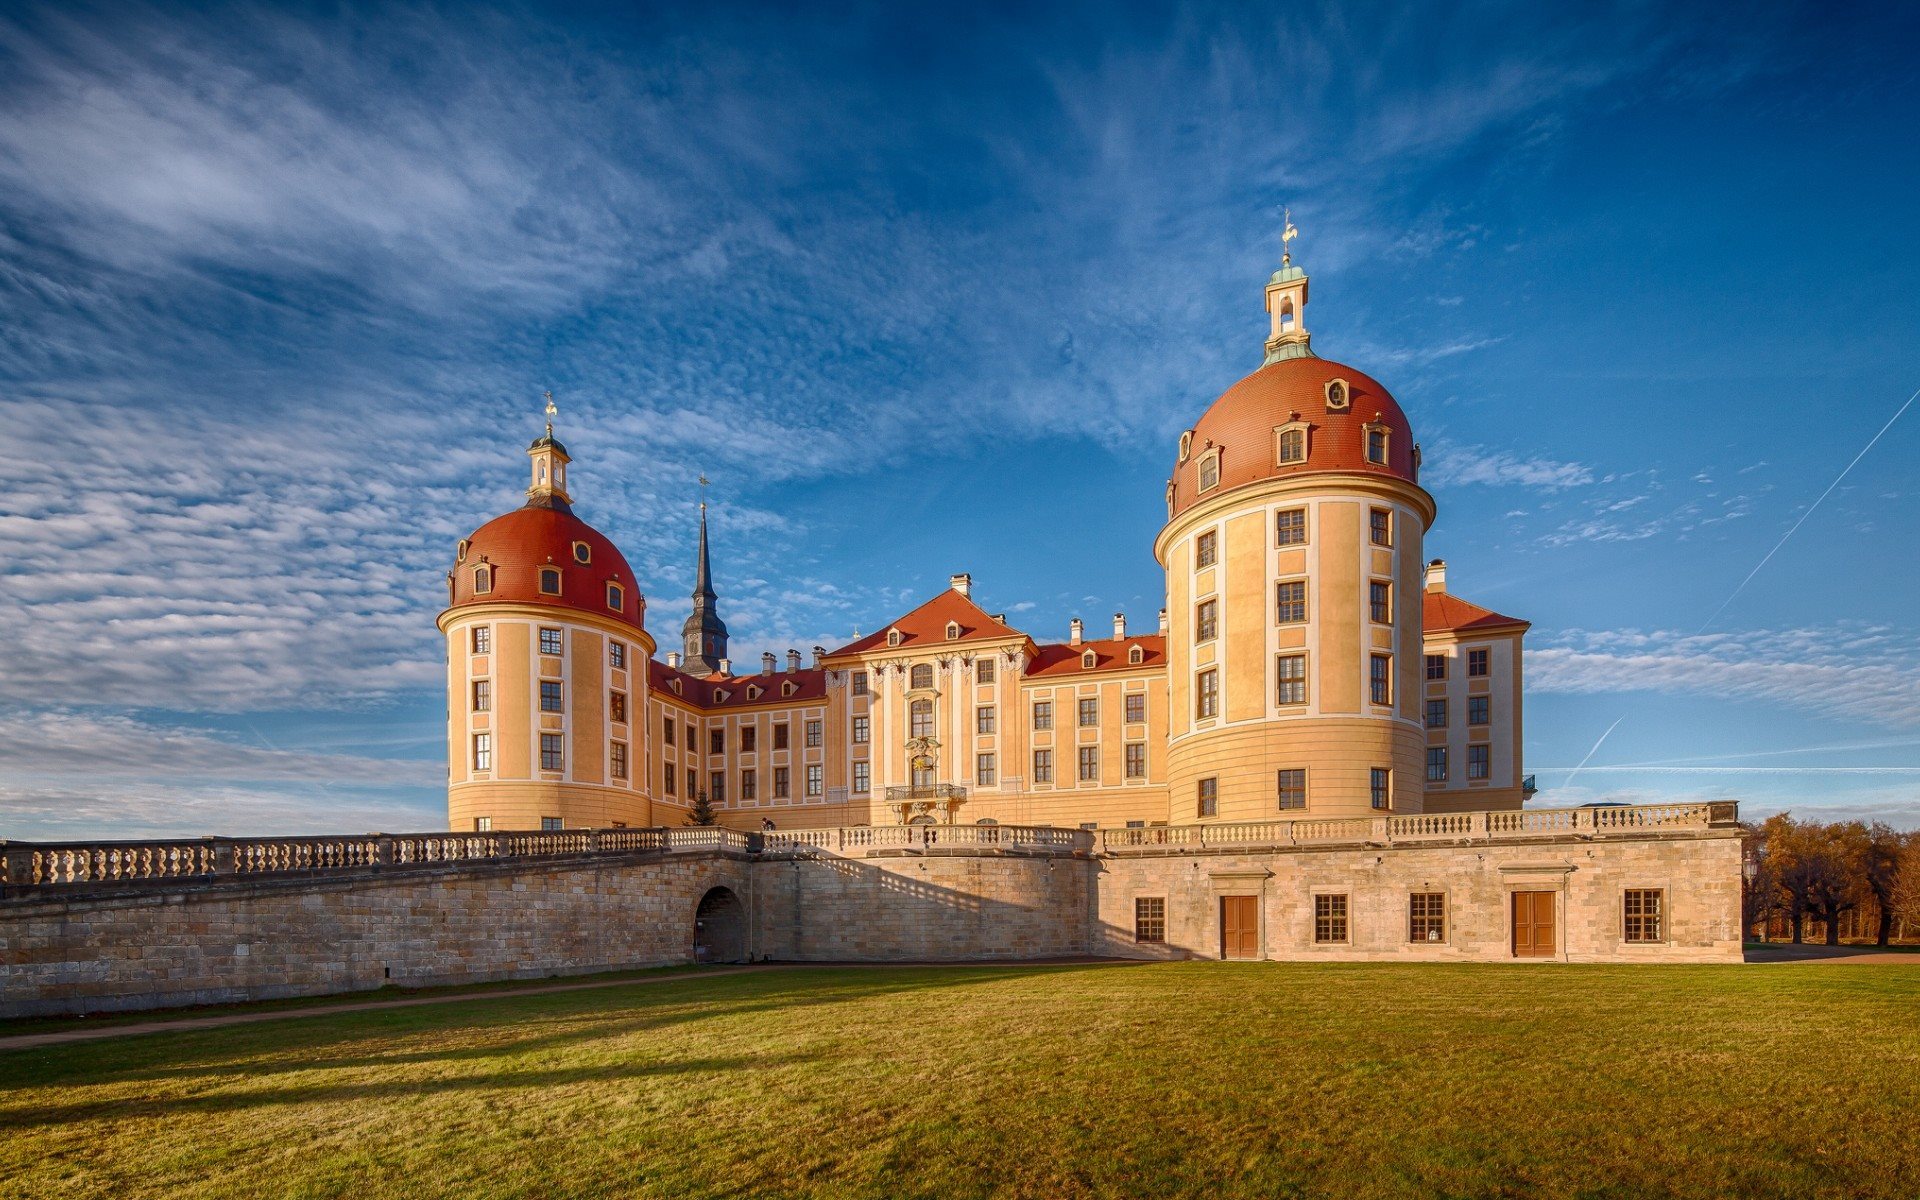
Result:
1441,611
1109,654
928,623
703,691
516,545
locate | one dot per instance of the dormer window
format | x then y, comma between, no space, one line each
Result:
550,581
1338,394
675,685
616,597
953,631
460,551
1290,443
1376,443
789,688
755,691
1209,471
482,580
721,696
582,553
1186,445
1135,655
1088,660
893,637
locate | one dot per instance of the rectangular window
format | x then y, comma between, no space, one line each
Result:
483,752
553,755
1293,787
1206,621
983,670
670,779
1436,714
1380,787
983,772
1208,798
549,824
617,655
1380,601
1043,766
1206,695
1476,664
1377,446
1290,601
1136,709
1479,761
816,775
1427,917
483,639
781,783
749,738
483,824
617,751
1643,915
1436,666
716,741
1290,525
1380,679
1479,710
693,782
1290,673
1380,527
983,719
1136,760
813,735
859,683
862,777
1089,764
1436,764
1043,714
862,730
482,695
1149,919
717,786
549,641
749,785
617,706
1089,713
1206,549
551,698
1210,472
666,729
1329,920
780,736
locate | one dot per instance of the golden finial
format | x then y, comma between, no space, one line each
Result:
1287,234
703,493
552,410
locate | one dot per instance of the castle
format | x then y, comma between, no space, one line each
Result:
1310,662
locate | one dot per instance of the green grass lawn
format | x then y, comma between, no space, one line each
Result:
1193,1079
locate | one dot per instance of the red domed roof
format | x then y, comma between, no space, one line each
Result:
1242,423
515,547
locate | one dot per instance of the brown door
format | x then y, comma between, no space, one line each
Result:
1240,927
1533,925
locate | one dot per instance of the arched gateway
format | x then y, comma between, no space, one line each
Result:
720,927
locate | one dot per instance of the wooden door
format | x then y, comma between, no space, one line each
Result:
1240,926
1533,932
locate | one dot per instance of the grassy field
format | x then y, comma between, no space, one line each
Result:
1203,1079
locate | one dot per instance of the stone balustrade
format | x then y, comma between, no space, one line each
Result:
1426,828
39,868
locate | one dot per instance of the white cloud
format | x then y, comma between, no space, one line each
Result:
1451,464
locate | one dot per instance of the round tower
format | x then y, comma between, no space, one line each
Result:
547,654
1293,558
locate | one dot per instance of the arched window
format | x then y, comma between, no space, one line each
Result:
953,631
1135,655
1186,445
482,580
1293,445
1088,660
893,637
1286,316
922,676
920,719
1209,470
1377,444
550,581
616,597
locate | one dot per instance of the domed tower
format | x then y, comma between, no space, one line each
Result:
547,655
1293,558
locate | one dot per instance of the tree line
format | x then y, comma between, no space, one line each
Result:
1795,871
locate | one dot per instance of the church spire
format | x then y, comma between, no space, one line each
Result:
704,634
1287,302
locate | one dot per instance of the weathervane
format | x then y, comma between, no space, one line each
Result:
1287,234
703,493
552,410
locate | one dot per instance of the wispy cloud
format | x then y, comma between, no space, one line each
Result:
1452,464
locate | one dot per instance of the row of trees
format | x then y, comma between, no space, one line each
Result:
1801,870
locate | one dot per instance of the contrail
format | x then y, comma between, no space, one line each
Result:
1595,750
1803,516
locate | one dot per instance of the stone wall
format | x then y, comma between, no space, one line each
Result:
260,939
1699,877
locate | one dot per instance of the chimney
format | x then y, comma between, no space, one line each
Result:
1163,622
793,660
819,653
1437,576
962,583
1076,628
766,662
726,666
673,659
1119,627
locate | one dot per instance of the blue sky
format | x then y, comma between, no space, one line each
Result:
928,291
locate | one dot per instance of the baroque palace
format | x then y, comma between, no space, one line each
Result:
1310,661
